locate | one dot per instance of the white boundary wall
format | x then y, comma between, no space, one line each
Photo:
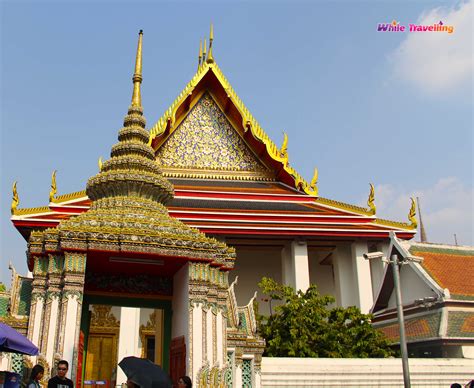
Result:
347,372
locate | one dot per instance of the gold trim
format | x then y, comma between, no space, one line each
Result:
15,199
70,196
54,189
412,214
32,210
344,206
396,224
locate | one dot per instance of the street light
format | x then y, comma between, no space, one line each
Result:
396,261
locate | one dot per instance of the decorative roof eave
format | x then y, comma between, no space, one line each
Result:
168,120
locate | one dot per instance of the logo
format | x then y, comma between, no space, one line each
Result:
395,26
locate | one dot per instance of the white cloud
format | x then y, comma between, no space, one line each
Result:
446,207
438,62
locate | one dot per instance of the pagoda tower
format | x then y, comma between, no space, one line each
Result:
127,233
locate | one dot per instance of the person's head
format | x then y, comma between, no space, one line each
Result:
63,366
37,373
185,382
456,385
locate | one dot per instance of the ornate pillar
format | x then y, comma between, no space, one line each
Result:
38,297
207,329
52,310
257,369
238,368
71,308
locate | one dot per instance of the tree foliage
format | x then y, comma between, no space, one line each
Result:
302,325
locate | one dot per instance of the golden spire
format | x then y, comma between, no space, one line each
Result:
15,199
100,163
200,53
204,51
284,146
371,199
137,76
53,190
412,214
313,185
210,58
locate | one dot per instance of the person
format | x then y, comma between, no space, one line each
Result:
455,385
60,380
36,375
185,382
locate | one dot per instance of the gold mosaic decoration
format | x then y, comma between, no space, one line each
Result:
206,140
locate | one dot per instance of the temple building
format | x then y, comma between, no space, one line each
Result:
161,254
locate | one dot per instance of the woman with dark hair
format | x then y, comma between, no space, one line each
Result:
185,382
36,375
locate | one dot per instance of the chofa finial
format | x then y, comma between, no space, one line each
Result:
314,181
99,163
15,199
53,190
284,146
137,75
210,58
412,214
371,200
204,48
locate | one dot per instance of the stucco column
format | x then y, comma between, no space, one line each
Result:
128,337
343,279
71,309
38,298
55,269
196,339
362,278
295,265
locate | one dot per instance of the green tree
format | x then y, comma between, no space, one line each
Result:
302,325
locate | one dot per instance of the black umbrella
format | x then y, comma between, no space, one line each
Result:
144,373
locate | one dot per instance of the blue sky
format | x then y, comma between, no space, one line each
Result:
363,106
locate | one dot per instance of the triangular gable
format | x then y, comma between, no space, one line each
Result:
206,144
386,289
210,78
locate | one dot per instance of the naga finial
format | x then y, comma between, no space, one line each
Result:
284,146
210,58
53,190
200,53
15,199
313,185
137,75
371,199
412,214
100,163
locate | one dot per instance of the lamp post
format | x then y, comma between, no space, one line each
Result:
398,256
401,320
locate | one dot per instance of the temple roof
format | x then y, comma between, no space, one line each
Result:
229,176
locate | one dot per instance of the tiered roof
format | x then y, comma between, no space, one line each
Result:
228,175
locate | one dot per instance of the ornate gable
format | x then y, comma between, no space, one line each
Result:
206,144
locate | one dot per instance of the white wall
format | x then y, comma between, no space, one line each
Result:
251,265
321,275
180,305
412,287
350,372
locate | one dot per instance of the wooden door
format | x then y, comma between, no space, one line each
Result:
101,356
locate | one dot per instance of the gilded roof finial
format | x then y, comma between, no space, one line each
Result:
422,227
15,199
204,48
412,213
200,53
313,185
53,190
137,76
100,163
371,199
210,58
284,146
